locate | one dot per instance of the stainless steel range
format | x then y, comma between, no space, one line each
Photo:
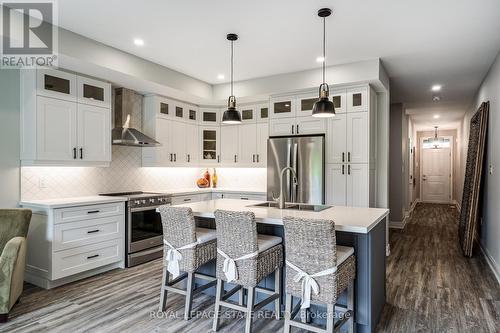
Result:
143,231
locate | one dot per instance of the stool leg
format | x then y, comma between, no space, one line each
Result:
277,289
350,306
218,296
241,294
249,312
288,312
189,296
330,319
163,292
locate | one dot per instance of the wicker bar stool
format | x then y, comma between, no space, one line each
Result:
317,271
186,248
245,258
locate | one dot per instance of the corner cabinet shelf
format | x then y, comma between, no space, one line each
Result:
65,119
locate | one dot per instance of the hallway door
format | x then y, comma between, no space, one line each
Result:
436,174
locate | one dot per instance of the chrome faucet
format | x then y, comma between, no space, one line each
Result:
281,198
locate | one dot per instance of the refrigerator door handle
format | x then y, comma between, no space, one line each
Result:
294,184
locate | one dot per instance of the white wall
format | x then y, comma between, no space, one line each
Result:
9,137
490,210
396,195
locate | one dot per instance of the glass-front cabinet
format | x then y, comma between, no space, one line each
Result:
56,84
209,116
305,103
210,145
192,113
283,106
357,99
248,113
262,111
339,100
94,92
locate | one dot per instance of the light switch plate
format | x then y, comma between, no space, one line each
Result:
42,182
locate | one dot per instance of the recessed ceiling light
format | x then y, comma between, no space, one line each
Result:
220,76
138,42
320,59
436,116
436,87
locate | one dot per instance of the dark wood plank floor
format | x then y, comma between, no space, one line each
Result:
430,288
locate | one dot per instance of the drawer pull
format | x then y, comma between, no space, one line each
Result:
94,256
187,199
93,231
93,211
244,198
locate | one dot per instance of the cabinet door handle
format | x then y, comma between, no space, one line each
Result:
93,231
188,158
187,199
94,256
297,128
234,158
253,158
293,129
349,157
343,169
171,157
218,158
349,169
244,198
175,157
343,157
93,211
74,153
81,153
258,156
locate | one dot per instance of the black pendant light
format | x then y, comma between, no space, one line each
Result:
231,115
324,107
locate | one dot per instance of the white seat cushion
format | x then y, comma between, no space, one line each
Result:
343,252
266,242
204,235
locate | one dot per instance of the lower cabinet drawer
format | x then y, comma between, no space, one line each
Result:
75,234
72,214
73,261
182,199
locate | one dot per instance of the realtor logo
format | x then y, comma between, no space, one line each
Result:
29,34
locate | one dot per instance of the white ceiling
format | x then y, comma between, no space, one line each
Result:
450,42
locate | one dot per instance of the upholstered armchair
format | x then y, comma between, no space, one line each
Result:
14,225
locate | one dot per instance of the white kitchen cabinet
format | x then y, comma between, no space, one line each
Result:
209,116
56,84
282,127
248,113
94,92
336,139
357,99
262,111
357,143
159,155
262,137
283,106
210,145
188,198
192,144
347,185
310,125
177,151
247,145
336,185
305,103
339,98
71,243
357,185
192,114
56,129
94,133
229,144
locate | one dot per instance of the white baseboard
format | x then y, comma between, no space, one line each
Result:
398,224
495,268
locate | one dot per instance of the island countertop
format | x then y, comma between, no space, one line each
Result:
348,219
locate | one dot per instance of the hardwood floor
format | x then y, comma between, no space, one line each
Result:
431,287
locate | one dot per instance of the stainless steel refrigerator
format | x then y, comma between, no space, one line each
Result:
306,155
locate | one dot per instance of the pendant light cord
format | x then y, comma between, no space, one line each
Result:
232,57
324,47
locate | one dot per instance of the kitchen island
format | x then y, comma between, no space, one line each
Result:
364,229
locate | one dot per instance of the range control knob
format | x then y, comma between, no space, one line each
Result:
143,202
151,200
137,202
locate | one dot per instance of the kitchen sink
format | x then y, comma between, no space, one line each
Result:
293,206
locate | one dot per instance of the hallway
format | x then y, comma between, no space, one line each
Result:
431,287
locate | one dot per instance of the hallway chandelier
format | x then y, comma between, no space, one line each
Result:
324,107
436,139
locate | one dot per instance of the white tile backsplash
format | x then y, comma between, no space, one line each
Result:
126,174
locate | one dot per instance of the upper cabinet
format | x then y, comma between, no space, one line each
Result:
55,83
262,111
339,100
283,106
94,92
209,116
357,99
65,119
305,103
248,113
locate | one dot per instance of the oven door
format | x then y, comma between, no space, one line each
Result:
144,229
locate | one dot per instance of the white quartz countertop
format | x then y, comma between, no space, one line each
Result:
195,190
71,202
349,219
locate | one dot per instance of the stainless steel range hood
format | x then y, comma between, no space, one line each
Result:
128,120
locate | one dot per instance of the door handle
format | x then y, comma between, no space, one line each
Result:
234,158
349,169
293,129
297,128
253,158
218,158
81,153
258,158
188,158
343,169
343,157
175,157
74,153
171,157
348,156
